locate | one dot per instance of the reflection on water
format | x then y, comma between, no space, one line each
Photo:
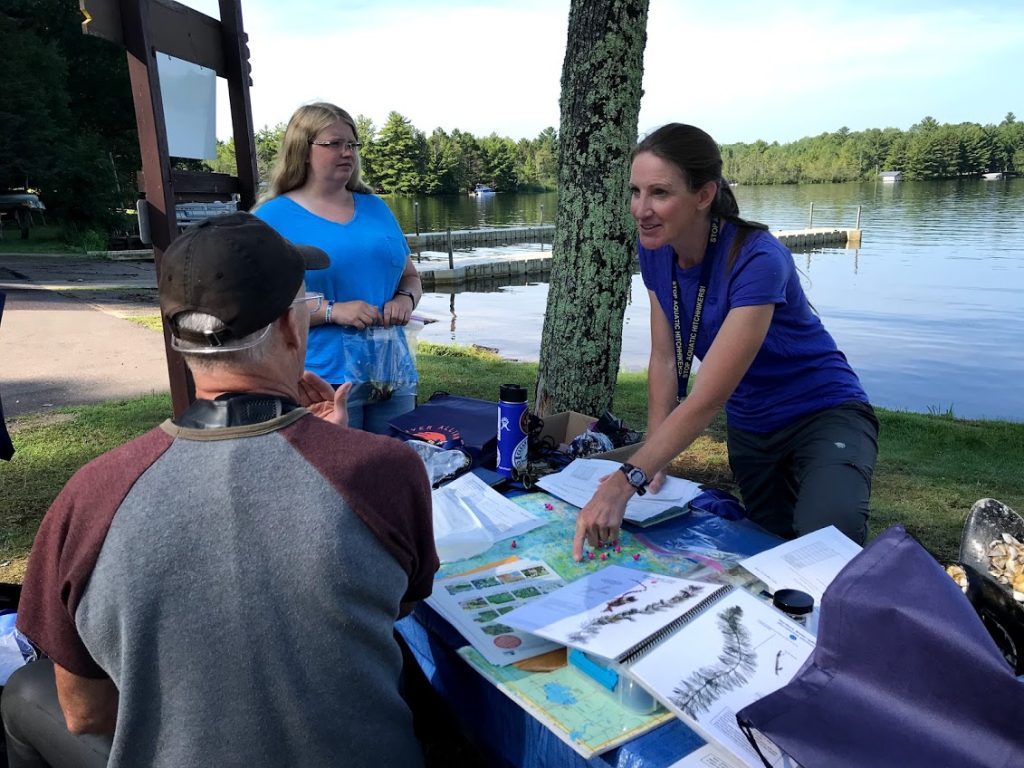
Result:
928,309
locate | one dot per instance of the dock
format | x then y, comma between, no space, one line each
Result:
439,270
537,265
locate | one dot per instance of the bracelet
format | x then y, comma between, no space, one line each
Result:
403,292
327,312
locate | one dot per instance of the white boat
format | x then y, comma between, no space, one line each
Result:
994,176
482,189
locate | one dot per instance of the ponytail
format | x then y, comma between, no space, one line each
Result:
726,207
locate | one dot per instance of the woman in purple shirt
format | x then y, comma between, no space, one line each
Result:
802,436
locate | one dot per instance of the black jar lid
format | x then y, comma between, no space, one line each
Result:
793,601
512,393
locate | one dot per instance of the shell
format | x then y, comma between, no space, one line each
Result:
998,549
958,574
1006,563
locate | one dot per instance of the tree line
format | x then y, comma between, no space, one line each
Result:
67,129
398,158
927,150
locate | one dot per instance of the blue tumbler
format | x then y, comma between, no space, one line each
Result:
512,426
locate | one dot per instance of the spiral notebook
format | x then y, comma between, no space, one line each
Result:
615,613
704,650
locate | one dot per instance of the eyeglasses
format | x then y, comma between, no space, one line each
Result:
352,146
313,300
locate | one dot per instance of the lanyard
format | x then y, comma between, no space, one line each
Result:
684,356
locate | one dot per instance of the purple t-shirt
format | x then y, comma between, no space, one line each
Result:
798,370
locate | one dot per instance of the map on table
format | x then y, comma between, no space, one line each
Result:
553,544
580,712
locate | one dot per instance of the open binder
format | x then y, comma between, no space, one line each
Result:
703,650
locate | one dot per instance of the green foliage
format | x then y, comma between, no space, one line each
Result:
927,150
930,470
397,156
67,123
400,159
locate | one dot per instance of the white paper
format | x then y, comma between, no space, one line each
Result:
735,652
578,481
476,604
708,756
189,94
608,612
500,516
808,563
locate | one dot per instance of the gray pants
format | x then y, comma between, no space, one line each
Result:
811,474
34,724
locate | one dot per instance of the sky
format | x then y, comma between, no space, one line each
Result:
743,70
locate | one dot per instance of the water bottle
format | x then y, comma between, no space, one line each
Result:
512,425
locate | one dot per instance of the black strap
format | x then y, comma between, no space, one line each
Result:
684,357
748,731
234,410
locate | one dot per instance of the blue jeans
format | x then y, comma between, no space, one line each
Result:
374,415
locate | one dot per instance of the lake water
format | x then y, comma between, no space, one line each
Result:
929,310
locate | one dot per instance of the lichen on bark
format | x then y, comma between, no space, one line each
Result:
592,254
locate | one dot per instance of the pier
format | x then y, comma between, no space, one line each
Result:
440,266
461,269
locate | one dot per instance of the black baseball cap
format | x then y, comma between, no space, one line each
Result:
236,268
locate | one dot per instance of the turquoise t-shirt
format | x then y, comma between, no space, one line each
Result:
368,255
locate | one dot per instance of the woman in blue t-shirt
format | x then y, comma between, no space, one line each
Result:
316,197
802,437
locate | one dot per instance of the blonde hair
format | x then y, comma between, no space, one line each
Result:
289,170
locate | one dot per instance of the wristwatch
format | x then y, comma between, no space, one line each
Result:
636,477
403,292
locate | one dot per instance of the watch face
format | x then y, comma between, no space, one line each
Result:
636,477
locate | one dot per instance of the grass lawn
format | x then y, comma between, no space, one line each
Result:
931,468
49,239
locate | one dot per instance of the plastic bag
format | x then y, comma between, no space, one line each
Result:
379,357
458,532
441,463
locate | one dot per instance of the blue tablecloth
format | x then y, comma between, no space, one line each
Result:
499,725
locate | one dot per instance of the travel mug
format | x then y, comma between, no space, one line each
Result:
512,426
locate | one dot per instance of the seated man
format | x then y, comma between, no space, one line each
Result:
222,590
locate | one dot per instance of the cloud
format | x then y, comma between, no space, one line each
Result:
743,72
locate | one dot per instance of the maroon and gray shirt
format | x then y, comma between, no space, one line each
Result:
239,586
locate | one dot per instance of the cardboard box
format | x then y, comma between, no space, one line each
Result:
565,425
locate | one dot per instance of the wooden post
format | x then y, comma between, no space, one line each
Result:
235,47
810,217
542,224
858,218
149,117
144,27
451,255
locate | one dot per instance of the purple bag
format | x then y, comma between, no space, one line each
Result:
904,674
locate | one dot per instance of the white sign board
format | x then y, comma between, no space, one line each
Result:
189,94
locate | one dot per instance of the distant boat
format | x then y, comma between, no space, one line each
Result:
891,176
482,189
994,176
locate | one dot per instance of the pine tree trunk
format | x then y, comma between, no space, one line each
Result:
592,255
